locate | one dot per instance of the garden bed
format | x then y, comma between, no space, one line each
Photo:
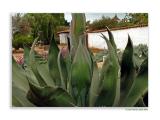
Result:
43,50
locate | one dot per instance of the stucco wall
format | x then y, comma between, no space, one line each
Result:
138,36
63,38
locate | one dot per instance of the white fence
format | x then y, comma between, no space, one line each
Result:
138,36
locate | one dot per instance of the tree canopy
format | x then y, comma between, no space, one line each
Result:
31,24
130,19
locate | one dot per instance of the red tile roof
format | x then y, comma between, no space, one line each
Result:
104,30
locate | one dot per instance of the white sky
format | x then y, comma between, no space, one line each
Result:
94,16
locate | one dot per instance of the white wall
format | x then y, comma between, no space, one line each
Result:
138,35
63,38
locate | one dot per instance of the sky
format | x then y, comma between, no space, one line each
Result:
94,16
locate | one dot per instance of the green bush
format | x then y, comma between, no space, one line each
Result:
140,54
19,40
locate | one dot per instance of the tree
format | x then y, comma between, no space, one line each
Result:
21,31
130,19
138,18
40,22
102,23
15,22
20,25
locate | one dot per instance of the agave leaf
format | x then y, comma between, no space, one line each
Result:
44,72
110,79
88,54
140,87
26,54
16,102
33,64
52,62
68,66
111,39
41,68
77,28
95,85
80,71
62,70
19,98
82,98
82,38
140,103
49,96
128,71
18,76
19,86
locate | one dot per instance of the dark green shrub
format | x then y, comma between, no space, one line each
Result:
140,54
19,40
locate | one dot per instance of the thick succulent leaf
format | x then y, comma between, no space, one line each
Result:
49,96
140,87
63,70
95,85
33,64
140,103
16,102
88,54
19,98
128,71
44,72
52,62
80,72
82,98
19,76
111,39
110,79
26,54
42,67
77,28
28,70
68,62
30,75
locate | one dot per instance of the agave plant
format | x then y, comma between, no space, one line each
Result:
73,78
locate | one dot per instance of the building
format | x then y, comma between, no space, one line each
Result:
139,35
115,18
